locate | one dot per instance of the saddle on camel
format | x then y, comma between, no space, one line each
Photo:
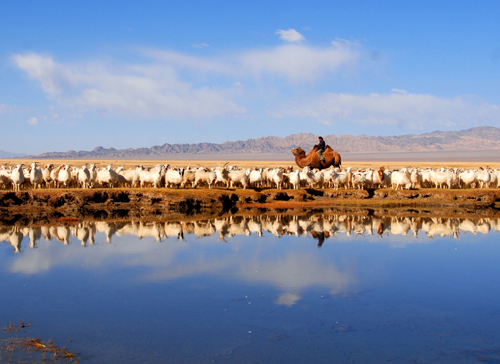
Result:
312,160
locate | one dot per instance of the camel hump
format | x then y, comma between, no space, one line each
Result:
326,148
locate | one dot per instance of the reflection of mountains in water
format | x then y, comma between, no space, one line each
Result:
320,226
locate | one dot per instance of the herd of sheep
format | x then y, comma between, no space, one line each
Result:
90,176
228,227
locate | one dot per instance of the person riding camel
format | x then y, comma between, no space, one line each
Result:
321,148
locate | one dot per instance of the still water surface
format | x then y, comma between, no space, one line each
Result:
271,289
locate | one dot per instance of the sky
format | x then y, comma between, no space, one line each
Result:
75,75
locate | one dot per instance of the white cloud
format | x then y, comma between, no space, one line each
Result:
292,272
341,43
198,65
201,45
298,63
288,299
415,111
172,85
295,63
43,69
7,109
131,90
404,92
290,35
33,121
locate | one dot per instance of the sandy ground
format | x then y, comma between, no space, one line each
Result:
373,160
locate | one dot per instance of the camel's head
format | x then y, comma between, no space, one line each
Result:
298,152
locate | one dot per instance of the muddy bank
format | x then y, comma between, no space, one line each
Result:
148,203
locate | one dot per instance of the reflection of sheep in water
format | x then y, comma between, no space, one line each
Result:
82,233
5,232
255,226
173,229
400,226
278,225
109,229
483,227
239,228
61,233
153,229
34,234
442,227
204,228
16,239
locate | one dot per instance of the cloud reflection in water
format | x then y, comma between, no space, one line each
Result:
197,248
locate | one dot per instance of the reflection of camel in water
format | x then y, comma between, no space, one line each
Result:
320,235
332,158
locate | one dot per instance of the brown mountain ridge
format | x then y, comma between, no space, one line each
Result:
478,138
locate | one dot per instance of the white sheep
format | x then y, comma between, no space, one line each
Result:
188,177
129,176
36,176
484,178
17,177
46,175
107,176
239,176
278,177
442,178
204,176
5,179
222,174
294,179
400,179
306,177
153,177
416,178
342,178
358,180
319,178
64,177
83,177
173,177
255,178
467,178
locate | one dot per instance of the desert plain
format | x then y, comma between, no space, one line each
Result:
434,159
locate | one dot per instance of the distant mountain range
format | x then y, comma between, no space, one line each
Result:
479,138
6,155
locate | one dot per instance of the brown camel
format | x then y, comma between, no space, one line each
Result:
332,158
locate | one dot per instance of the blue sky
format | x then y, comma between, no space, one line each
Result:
75,75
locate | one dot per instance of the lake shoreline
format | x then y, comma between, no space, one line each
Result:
166,203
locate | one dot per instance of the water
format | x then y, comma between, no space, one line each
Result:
258,289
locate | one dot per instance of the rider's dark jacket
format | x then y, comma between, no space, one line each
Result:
321,145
